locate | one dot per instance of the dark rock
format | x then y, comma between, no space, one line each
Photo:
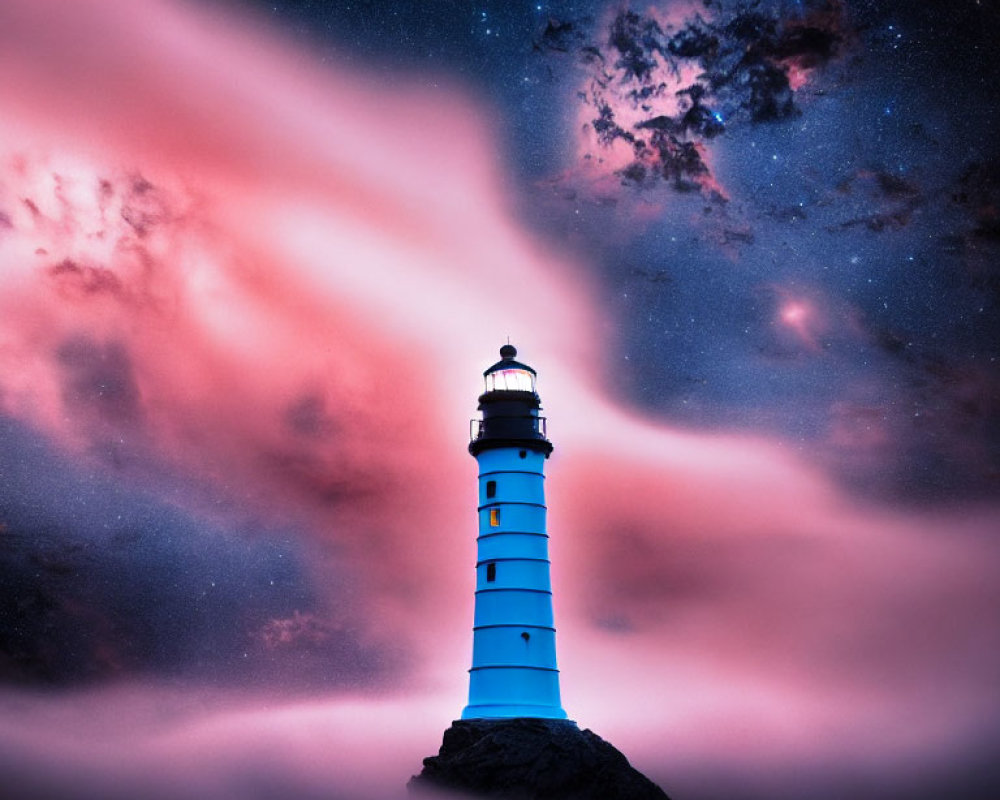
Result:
531,759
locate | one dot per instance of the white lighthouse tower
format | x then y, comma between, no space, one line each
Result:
514,671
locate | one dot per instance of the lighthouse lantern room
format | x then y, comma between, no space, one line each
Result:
514,671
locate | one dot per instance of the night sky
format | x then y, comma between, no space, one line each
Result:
254,259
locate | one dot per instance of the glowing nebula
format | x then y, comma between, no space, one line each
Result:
662,83
798,316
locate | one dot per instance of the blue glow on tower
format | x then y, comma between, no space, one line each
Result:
514,671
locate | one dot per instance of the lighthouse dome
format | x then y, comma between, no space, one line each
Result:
508,375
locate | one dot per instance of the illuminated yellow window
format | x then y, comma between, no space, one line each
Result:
494,517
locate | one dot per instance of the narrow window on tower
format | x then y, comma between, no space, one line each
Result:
491,489
494,517
491,572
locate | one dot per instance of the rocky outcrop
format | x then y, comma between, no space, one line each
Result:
531,759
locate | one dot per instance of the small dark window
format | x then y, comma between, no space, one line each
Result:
523,454
491,488
491,572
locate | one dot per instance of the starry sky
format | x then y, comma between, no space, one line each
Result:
255,257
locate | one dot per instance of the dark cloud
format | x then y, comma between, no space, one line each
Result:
976,246
561,36
895,198
651,275
633,41
143,206
949,426
100,379
87,279
108,583
308,416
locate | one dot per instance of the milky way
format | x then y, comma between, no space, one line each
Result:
254,261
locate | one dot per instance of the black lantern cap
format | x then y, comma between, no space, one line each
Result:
507,353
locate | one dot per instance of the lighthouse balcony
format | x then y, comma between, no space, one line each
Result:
526,426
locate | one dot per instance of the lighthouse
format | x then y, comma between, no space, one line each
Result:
514,725
514,671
